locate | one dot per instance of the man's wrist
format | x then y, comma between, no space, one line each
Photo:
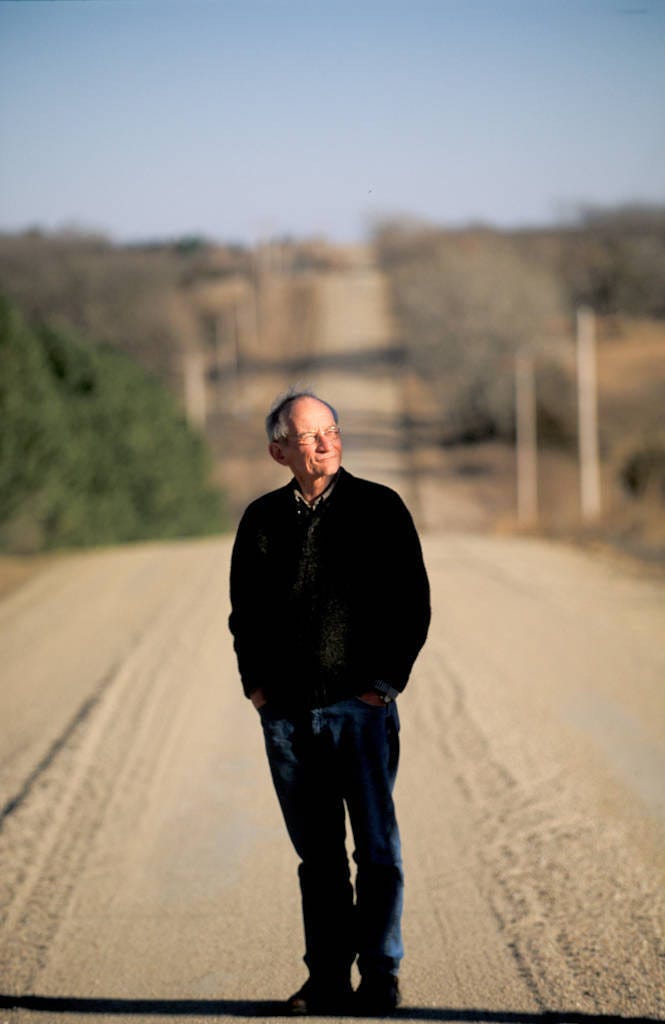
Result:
386,692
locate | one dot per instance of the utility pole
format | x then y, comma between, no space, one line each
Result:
587,416
218,331
527,447
194,369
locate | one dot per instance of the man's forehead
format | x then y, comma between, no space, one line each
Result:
309,408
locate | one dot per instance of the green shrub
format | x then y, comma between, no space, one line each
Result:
92,450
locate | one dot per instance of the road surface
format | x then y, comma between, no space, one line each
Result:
145,870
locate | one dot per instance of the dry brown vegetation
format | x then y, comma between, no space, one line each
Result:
467,303
224,327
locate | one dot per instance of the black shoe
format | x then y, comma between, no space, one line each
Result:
320,997
377,995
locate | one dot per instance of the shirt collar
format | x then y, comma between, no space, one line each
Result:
320,498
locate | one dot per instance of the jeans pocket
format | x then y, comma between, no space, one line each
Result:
370,707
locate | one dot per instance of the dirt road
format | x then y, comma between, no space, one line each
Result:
145,870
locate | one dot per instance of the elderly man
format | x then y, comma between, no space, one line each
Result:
330,607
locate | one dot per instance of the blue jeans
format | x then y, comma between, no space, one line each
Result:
320,760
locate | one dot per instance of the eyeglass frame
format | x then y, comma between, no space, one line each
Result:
331,433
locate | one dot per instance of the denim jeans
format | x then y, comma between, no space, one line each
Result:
320,760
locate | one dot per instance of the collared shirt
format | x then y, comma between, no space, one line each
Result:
300,497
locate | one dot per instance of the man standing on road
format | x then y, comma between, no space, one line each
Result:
330,607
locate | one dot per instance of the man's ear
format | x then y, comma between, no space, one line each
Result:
275,450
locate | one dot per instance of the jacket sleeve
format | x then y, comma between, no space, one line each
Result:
402,597
246,610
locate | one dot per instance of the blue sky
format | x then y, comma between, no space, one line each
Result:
241,119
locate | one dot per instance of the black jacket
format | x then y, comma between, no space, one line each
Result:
327,601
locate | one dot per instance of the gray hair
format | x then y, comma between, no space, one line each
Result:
276,421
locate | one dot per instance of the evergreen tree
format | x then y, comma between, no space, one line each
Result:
92,450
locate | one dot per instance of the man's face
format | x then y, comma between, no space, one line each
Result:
309,458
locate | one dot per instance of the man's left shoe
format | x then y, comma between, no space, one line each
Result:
377,995
320,997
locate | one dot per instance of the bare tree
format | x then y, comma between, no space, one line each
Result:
467,303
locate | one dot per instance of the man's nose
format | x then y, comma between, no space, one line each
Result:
323,441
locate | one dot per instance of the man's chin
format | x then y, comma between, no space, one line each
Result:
327,468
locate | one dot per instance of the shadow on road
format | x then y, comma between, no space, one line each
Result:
265,1008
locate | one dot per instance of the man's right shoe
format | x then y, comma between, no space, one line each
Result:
377,995
320,997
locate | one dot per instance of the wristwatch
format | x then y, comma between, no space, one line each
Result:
386,692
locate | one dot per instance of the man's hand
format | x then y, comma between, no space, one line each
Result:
258,698
372,697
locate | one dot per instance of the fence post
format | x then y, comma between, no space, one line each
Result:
527,445
587,406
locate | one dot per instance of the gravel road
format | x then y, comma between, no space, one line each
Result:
145,869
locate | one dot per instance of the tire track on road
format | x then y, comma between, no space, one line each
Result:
567,898
83,713
50,830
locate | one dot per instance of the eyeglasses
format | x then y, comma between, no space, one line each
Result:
310,437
